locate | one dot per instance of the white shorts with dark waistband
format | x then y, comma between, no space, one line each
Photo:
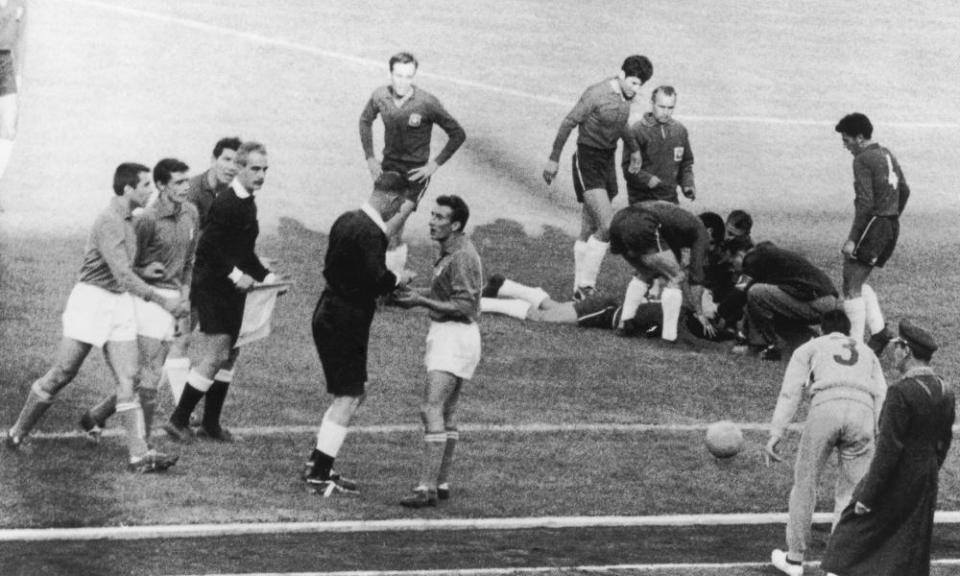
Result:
95,316
152,320
453,347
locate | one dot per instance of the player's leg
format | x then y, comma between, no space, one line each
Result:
453,438
176,367
766,304
855,274
438,388
214,350
635,295
70,356
210,427
880,335
854,451
819,436
665,264
596,203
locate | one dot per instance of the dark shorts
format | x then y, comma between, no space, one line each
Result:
219,312
878,240
637,231
341,333
415,190
594,169
597,311
8,76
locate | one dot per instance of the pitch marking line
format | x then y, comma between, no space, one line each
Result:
333,55
408,525
722,567
542,428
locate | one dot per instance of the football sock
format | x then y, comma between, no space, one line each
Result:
193,392
434,446
213,405
635,296
512,307
511,289
453,437
6,150
34,407
176,371
671,300
596,251
579,257
105,409
397,259
857,313
330,438
148,403
874,316
132,417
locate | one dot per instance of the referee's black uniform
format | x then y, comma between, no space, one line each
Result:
356,274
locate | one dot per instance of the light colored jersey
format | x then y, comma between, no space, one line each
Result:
831,367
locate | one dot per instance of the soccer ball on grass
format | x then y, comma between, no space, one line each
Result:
724,439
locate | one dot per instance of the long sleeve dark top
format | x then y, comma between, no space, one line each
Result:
355,264
789,271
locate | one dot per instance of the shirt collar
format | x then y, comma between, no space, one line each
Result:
239,190
918,371
405,99
165,208
375,216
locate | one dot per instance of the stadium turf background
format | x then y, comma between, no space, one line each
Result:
760,89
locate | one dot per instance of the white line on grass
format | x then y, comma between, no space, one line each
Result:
368,62
409,525
535,428
720,567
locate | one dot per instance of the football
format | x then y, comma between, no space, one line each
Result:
724,439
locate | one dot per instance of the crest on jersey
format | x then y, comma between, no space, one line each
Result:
677,153
415,120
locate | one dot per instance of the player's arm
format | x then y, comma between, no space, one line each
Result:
145,228
686,168
573,119
111,243
946,432
903,188
374,265
863,202
188,261
456,135
367,116
791,392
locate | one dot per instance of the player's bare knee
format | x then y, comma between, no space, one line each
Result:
432,416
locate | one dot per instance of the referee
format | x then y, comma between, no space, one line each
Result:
356,274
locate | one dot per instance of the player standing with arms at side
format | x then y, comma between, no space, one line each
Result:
600,117
453,344
881,193
846,388
356,274
226,268
12,20
100,312
409,113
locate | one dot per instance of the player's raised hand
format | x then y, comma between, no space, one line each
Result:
550,171
860,508
770,452
375,169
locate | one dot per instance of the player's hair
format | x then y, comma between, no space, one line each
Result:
835,321
739,244
714,224
741,220
404,58
228,143
127,174
166,168
854,125
666,90
459,211
246,149
638,66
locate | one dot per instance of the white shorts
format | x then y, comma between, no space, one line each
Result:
453,347
95,316
152,320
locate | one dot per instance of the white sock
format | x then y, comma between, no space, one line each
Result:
507,306
596,251
874,316
330,437
177,370
857,313
199,381
6,150
511,289
635,296
224,375
670,300
397,259
579,257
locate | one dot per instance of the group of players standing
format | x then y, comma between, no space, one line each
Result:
140,279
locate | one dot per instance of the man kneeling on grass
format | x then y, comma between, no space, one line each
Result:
453,344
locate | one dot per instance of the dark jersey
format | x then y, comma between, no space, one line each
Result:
601,118
879,186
